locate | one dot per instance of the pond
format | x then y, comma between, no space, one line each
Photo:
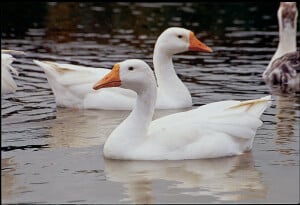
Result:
55,155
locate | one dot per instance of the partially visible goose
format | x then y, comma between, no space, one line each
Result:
284,69
8,85
285,73
217,129
72,85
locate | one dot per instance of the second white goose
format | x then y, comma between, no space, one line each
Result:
72,85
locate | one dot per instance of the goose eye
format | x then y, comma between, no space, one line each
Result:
130,68
179,36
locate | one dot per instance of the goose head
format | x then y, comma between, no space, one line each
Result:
131,74
287,16
177,40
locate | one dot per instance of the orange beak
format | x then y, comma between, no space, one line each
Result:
112,79
196,45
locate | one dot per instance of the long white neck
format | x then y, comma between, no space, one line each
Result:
142,114
133,130
169,84
287,42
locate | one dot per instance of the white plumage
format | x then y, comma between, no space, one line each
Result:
8,85
72,85
217,129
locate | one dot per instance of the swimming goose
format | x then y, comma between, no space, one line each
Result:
282,69
217,129
285,72
8,85
72,85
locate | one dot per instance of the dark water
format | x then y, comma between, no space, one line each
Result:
54,155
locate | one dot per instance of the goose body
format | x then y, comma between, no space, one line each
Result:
8,85
72,87
217,129
285,72
71,84
283,69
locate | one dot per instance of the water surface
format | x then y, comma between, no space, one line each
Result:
54,155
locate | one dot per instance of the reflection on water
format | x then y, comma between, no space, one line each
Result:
54,155
82,128
232,178
286,127
85,128
284,89
7,177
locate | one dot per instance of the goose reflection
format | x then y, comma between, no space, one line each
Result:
9,185
286,126
230,178
84,128
282,90
8,169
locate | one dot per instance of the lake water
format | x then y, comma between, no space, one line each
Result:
54,155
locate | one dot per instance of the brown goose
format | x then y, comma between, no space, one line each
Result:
283,69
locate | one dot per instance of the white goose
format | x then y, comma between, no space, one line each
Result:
284,65
217,129
8,85
72,85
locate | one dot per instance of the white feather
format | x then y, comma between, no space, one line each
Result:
217,129
8,85
72,85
